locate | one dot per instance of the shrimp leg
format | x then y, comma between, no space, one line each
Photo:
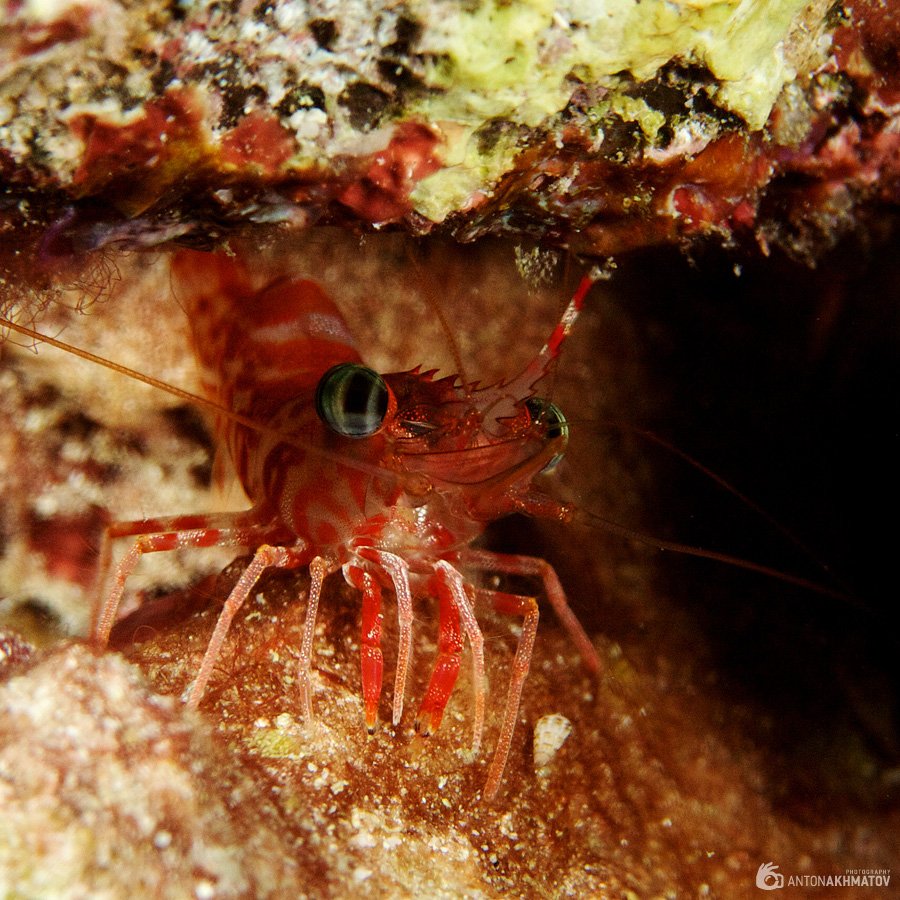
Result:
160,536
513,564
451,582
265,557
446,667
398,570
527,608
370,656
319,568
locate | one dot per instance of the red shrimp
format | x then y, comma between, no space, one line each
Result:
388,478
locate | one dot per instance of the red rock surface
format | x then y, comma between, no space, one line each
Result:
191,126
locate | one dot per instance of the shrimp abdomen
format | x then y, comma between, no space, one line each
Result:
258,348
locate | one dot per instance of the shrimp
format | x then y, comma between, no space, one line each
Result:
588,479
387,478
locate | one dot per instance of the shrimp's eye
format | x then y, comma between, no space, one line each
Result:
352,400
546,413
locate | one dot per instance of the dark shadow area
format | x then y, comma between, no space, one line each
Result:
784,381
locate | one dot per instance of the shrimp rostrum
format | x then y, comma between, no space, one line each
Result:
388,478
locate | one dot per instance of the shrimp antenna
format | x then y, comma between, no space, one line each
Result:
727,559
188,396
735,492
435,306
842,593
522,385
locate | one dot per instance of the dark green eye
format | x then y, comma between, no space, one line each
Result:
546,413
352,400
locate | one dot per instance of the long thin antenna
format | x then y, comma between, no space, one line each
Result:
189,397
181,393
436,307
749,502
727,559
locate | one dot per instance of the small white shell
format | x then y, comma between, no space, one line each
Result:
550,733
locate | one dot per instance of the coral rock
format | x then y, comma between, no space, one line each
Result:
630,125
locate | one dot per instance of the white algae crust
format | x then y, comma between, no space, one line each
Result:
104,784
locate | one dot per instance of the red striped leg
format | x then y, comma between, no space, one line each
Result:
318,569
446,664
527,608
265,556
531,565
159,536
398,570
453,582
370,656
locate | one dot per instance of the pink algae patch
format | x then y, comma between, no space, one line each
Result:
68,544
716,184
382,194
70,27
151,151
259,140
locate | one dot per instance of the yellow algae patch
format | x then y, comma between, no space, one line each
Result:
520,62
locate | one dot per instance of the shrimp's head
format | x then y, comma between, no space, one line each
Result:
478,447
443,429
482,446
